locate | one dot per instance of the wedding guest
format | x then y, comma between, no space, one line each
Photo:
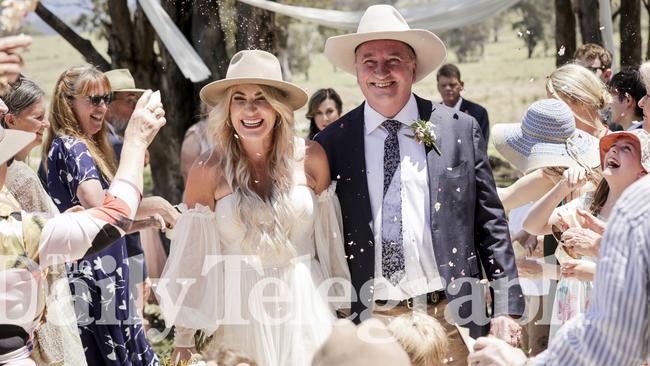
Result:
39,241
627,89
542,146
324,107
226,357
80,164
196,142
614,330
264,194
26,112
625,157
449,86
423,338
584,93
596,59
369,344
644,102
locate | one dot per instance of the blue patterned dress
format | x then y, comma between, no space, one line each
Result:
100,282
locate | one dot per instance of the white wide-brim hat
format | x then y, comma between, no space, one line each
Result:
254,67
385,22
546,137
12,141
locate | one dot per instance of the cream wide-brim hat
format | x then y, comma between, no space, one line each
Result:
385,22
12,141
254,67
122,81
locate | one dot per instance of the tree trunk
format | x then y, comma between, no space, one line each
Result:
630,28
209,41
646,4
565,32
256,29
84,46
589,16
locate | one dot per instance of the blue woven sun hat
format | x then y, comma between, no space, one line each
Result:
546,137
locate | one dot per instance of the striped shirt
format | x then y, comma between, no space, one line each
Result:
615,330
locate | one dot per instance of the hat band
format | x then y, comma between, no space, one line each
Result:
542,137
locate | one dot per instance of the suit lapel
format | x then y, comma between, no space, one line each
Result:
354,140
424,110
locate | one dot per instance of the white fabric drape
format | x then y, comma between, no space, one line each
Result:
186,58
441,15
607,29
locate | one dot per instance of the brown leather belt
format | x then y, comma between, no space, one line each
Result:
433,298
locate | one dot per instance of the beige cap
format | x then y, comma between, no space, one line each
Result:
122,81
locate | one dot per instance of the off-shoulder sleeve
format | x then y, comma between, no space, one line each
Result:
190,290
328,234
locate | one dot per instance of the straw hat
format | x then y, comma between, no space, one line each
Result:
385,22
12,141
122,81
639,136
254,67
546,137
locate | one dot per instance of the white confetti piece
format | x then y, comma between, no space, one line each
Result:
454,250
458,189
561,51
449,169
437,206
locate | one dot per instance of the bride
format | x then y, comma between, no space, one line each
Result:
258,251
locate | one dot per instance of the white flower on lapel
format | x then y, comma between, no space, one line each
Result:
424,132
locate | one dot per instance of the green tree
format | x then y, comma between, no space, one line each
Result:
532,27
467,42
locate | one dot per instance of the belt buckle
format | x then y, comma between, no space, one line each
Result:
434,297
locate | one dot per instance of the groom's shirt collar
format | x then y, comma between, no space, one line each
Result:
373,119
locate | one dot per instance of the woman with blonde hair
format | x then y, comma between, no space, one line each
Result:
259,243
584,93
80,165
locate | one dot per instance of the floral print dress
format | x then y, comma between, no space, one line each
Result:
110,328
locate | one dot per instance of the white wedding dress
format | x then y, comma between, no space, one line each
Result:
278,323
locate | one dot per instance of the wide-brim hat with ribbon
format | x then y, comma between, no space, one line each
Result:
639,136
12,141
122,81
385,22
546,137
254,67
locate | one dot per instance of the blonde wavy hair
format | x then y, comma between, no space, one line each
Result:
267,220
423,338
575,84
79,81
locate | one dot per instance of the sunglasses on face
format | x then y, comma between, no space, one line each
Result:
96,100
595,69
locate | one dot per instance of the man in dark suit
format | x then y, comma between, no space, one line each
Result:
416,222
450,85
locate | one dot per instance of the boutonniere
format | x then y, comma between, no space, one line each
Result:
423,133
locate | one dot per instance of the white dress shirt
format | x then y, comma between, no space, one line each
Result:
421,269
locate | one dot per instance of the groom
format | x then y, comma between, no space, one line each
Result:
416,222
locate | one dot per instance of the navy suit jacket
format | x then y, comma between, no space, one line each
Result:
479,113
468,227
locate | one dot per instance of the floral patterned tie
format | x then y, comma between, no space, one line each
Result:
392,249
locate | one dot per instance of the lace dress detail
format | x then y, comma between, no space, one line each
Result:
275,312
